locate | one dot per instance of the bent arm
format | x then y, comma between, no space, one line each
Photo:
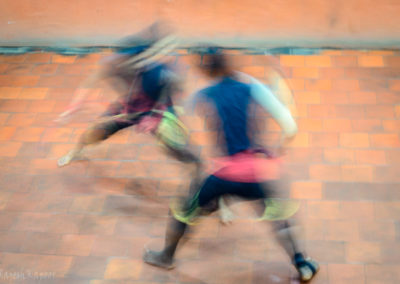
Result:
264,96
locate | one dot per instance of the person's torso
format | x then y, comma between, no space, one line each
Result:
150,86
231,100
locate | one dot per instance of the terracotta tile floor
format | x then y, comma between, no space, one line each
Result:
89,222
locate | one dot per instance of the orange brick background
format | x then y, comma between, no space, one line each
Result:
360,23
89,222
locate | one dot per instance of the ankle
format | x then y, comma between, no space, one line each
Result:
298,259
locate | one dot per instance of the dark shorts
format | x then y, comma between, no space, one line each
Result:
205,200
214,187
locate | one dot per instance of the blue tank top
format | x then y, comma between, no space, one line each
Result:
231,100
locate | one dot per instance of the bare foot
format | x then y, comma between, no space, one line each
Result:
69,157
157,259
226,216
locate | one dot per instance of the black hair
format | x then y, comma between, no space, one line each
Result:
216,63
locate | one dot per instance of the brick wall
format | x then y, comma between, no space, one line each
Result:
274,22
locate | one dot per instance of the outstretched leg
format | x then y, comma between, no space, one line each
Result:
90,136
97,133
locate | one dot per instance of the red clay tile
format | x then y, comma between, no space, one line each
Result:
318,85
364,252
3,67
255,71
321,111
41,243
57,135
13,105
390,140
33,93
357,210
387,174
13,58
318,61
305,72
350,111
357,173
123,268
325,172
65,224
3,118
373,85
346,273
9,148
304,156
113,245
38,58
365,98
309,124
326,251
72,81
18,69
21,119
292,60
375,157
377,231
85,204
51,81
8,220
301,140
367,125
6,132
332,73
41,106
101,225
342,230
34,222
309,97
387,273
335,98
45,69
337,125
87,267
306,190
12,241
370,61
9,92
70,69
23,202
78,245
344,61
354,140
43,166
324,140
379,111
388,98
324,209
56,58
52,266
24,81
387,210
